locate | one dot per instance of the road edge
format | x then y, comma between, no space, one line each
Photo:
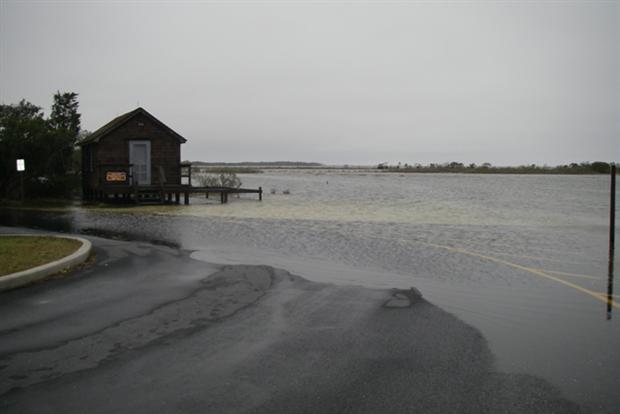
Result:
24,277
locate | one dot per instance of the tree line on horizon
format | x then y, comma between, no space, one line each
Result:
596,167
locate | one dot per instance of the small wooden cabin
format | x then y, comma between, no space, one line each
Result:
134,156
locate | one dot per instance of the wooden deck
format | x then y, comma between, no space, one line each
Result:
163,194
116,185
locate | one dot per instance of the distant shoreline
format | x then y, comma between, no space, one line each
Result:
498,170
257,168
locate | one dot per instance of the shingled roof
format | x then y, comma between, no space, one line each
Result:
122,119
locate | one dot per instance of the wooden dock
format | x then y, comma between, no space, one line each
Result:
163,194
117,184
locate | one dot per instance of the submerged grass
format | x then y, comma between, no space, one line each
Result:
19,253
40,204
98,207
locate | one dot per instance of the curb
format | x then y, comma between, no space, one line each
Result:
17,279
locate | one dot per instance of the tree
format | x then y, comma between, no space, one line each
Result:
64,122
23,134
600,167
64,116
47,145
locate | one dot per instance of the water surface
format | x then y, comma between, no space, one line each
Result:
492,249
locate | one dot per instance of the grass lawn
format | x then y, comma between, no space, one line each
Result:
24,252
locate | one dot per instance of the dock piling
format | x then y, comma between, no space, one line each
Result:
612,241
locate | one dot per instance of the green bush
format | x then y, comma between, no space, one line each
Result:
64,186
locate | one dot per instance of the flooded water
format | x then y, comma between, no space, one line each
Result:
522,258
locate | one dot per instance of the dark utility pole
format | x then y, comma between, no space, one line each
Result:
612,240
21,167
21,186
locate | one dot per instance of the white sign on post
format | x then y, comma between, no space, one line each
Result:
21,165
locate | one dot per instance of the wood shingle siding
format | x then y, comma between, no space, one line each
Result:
108,149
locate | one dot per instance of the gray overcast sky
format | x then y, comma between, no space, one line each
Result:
358,83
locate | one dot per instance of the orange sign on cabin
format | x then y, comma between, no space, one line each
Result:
116,176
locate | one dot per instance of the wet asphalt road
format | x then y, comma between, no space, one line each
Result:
147,329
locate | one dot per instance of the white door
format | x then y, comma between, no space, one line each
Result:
140,157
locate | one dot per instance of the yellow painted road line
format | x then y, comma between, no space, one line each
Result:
604,294
542,259
562,252
536,272
571,274
520,256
